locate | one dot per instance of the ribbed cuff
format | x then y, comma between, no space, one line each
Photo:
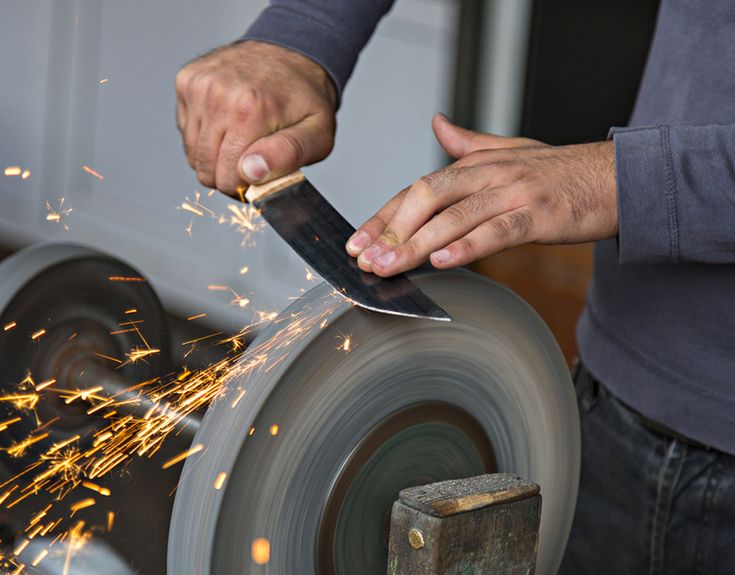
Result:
309,36
647,211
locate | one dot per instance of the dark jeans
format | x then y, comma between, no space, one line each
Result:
648,503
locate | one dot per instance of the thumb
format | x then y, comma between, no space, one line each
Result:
458,142
287,150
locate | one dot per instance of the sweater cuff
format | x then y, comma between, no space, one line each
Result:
647,212
309,36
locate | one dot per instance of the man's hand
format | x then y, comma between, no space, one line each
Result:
251,112
502,192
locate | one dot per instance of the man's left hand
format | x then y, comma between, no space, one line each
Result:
500,193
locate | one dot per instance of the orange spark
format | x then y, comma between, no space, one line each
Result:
261,551
193,317
220,481
38,334
40,557
97,488
138,354
181,456
110,520
274,430
25,175
13,171
83,504
93,172
9,326
126,279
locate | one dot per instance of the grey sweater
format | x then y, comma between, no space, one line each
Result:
658,327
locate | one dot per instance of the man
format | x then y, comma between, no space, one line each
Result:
657,490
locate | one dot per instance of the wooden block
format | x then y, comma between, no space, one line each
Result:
485,524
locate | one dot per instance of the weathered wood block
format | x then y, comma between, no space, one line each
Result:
476,526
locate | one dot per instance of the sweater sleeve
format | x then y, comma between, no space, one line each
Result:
676,194
330,32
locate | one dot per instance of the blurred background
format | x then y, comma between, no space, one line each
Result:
87,115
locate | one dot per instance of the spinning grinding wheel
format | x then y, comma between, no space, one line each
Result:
74,297
414,402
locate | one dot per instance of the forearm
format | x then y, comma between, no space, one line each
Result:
331,32
676,194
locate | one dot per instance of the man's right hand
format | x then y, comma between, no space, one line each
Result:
250,112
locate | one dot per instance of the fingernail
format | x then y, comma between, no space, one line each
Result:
386,259
441,257
254,167
371,253
358,241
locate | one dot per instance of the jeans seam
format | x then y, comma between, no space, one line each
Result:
702,551
664,490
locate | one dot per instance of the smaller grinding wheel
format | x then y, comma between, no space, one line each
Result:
414,402
79,297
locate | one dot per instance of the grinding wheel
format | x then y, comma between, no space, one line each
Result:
76,297
413,402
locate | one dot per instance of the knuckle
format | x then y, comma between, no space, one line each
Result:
426,188
389,237
291,146
455,215
217,92
517,224
205,178
182,79
465,248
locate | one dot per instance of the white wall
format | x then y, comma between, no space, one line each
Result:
56,116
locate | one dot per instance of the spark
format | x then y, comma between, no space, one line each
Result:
131,310
346,343
104,80
9,326
44,384
189,208
126,279
251,431
40,557
13,171
93,172
83,504
181,456
8,422
97,488
244,270
21,547
25,175
261,551
67,467
310,275
215,287
240,301
110,520
58,214
138,354
22,401
38,334
76,540
220,481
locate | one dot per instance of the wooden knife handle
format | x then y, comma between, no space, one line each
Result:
258,192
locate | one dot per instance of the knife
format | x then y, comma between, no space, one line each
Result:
316,231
